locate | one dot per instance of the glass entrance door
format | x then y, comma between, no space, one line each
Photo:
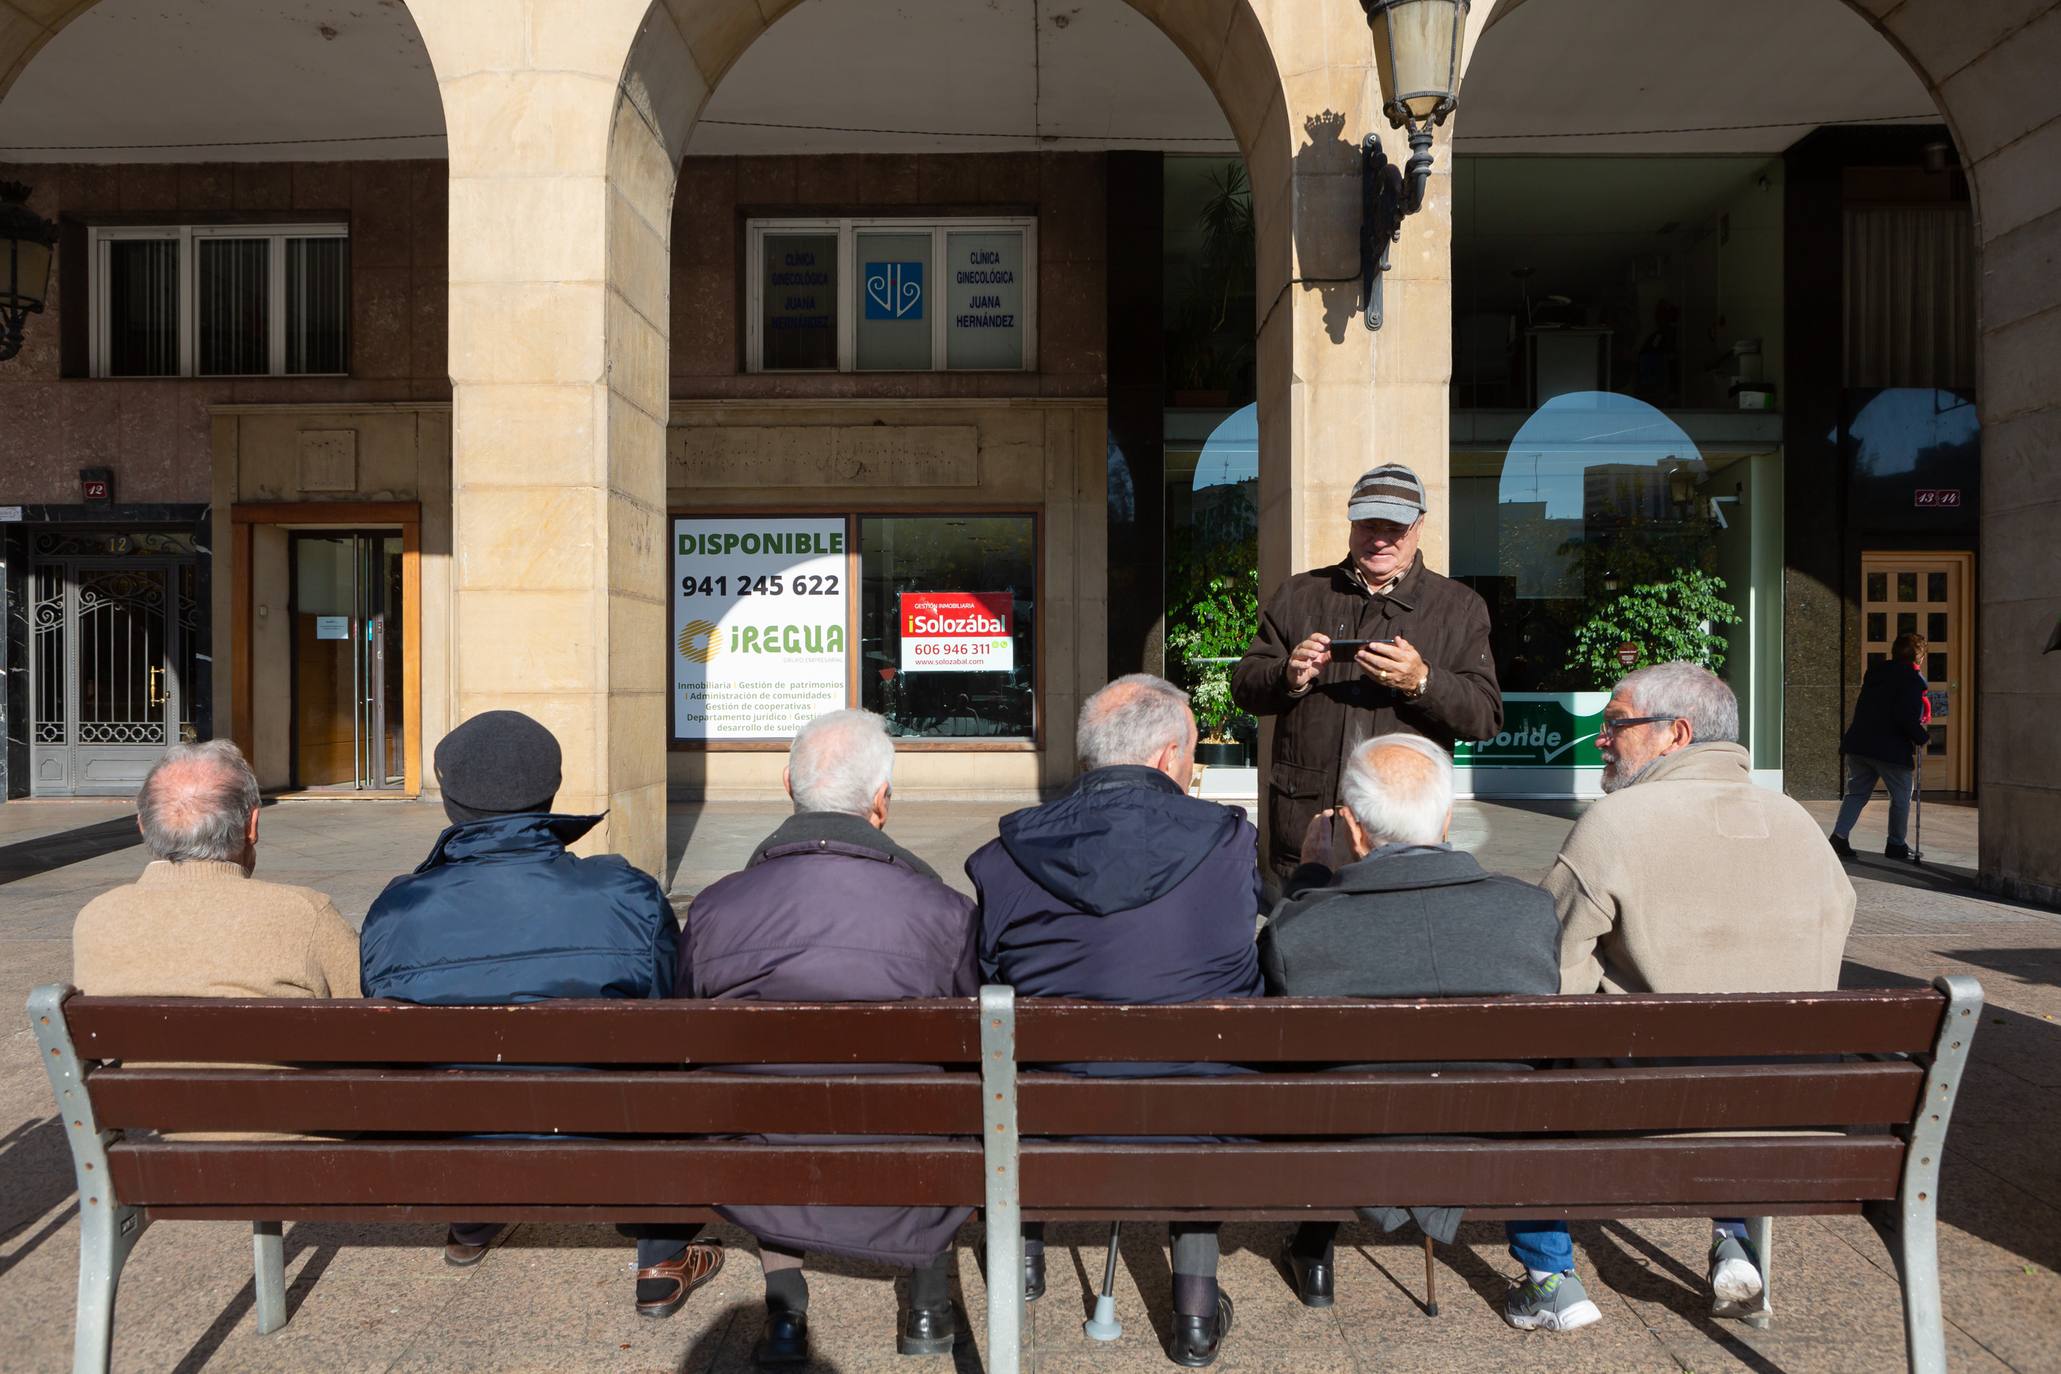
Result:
348,728
1928,595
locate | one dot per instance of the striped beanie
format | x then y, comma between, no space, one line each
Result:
1389,492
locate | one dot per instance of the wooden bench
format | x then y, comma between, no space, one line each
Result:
1845,1110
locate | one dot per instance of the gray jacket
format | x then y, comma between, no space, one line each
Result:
1410,921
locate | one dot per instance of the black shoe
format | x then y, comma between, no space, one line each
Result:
1197,1339
1033,1275
1312,1279
927,1331
1893,850
1841,847
786,1340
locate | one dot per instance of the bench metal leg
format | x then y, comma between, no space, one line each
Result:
268,1274
1004,1199
107,1230
1910,1225
1760,1234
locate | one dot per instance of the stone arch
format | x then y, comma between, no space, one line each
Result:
1987,68
29,31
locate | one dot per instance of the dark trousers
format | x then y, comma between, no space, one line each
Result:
656,1244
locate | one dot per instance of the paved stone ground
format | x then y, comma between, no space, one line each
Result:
557,1298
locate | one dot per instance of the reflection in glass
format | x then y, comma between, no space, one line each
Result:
1936,627
984,300
1907,622
1906,586
1878,626
143,308
1878,586
1936,745
234,300
1935,586
991,554
1935,666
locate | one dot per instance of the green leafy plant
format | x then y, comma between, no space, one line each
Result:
1206,354
1212,613
1676,621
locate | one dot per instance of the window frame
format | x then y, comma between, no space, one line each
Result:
847,228
100,236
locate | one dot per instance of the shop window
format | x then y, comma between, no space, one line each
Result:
220,301
876,295
947,645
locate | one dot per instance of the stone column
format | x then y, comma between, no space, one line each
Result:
558,516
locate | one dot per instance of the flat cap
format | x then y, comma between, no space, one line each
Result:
499,762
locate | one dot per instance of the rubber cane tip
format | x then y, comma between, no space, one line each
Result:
1431,1309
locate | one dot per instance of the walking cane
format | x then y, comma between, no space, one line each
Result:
1430,1279
1104,1326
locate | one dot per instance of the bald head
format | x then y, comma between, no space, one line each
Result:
842,761
1399,789
200,802
1138,719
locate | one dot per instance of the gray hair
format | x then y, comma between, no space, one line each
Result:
1400,789
1687,692
839,762
196,801
1130,721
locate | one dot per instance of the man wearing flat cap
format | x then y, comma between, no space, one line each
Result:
1412,657
500,912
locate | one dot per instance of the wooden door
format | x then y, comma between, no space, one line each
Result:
1932,595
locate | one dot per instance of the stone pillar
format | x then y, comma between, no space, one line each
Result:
558,400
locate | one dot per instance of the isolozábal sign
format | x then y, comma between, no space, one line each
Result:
957,632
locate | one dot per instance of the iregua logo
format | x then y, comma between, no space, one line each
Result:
701,640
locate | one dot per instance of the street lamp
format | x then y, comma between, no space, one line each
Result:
1417,57
26,241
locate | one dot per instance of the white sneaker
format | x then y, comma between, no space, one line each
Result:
1556,1303
1735,1281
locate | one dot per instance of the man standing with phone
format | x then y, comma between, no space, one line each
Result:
1374,644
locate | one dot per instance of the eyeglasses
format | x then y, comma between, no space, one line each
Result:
1611,727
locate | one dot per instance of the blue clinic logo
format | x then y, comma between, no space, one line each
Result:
894,290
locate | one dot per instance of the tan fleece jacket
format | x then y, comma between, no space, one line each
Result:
206,929
1695,880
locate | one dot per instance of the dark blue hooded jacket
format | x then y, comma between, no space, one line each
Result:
1125,889
500,912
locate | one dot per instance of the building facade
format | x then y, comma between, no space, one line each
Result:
674,370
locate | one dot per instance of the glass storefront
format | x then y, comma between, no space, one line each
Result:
1616,492
947,642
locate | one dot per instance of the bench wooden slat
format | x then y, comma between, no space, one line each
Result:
1714,1097
468,1174
1343,1030
657,1102
1513,1173
1703,1097
583,1031
1617,1211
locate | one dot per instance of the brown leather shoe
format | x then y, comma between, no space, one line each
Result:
662,1289
459,1255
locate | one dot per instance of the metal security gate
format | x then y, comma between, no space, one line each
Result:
111,666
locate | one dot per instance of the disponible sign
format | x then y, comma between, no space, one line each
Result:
760,616
1542,730
957,632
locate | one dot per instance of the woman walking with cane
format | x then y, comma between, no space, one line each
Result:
1883,742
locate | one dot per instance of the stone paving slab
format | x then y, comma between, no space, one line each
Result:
378,1298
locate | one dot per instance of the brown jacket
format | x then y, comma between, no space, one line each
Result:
1695,880
1446,622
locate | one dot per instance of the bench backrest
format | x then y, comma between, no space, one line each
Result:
1850,1068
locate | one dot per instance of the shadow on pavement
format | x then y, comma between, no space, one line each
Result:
2026,965
300,1238
32,858
34,1152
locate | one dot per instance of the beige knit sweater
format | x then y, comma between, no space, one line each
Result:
206,929
1695,880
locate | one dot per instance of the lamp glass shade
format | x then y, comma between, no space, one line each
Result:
24,274
1416,52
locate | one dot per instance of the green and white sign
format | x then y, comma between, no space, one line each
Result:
1541,730
761,615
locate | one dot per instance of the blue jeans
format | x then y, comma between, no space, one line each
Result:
1861,774
1544,1246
